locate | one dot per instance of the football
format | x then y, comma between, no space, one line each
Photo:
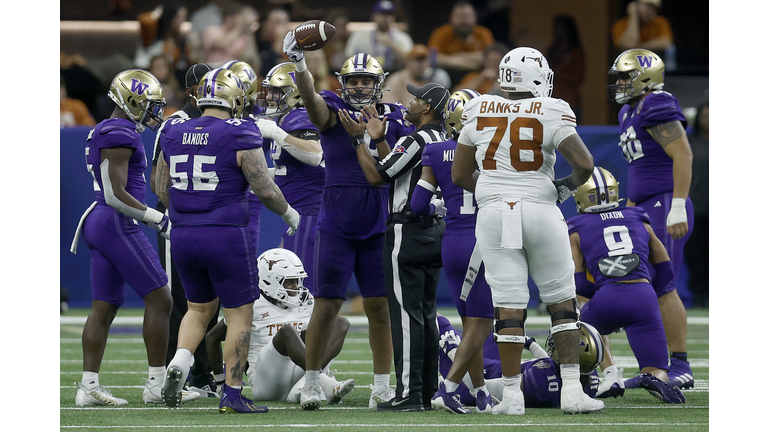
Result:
313,34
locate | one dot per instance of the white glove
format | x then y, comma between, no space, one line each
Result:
677,213
291,48
292,218
270,129
439,207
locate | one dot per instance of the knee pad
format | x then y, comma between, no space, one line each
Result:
509,323
560,315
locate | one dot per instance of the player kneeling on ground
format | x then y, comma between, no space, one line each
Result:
276,357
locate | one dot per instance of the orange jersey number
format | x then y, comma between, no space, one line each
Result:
517,144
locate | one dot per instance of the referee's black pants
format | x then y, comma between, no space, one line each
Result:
201,373
412,264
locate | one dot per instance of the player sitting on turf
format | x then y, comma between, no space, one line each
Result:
276,358
541,382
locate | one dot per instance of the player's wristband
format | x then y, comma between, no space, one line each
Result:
678,203
152,215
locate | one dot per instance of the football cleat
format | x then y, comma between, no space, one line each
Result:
512,402
680,373
612,385
310,396
206,391
338,391
172,385
663,391
485,402
631,383
233,402
96,396
450,402
577,402
153,393
380,396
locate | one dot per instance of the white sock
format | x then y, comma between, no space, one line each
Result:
182,360
219,377
312,376
156,374
90,379
512,383
380,381
569,373
450,386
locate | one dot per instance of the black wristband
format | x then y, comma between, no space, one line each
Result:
358,140
380,140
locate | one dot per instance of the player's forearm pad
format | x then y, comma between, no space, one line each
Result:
665,271
420,200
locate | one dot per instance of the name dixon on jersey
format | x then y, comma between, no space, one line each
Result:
612,215
195,138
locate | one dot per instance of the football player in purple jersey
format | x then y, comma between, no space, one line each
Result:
120,252
205,168
541,381
461,261
345,244
617,247
654,142
297,158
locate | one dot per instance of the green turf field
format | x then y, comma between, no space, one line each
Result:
125,364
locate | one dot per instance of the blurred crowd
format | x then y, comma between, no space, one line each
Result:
461,53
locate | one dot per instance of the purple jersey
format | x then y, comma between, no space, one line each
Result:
208,187
542,383
461,207
302,184
347,195
112,133
650,168
610,234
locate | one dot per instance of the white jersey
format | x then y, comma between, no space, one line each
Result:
515,143
268,319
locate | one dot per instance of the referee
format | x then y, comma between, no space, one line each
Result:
412,260
201,378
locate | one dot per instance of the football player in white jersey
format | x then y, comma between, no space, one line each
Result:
520,230
276,357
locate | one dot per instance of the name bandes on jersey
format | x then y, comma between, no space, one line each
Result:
515,143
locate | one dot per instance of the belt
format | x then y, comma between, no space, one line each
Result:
410,217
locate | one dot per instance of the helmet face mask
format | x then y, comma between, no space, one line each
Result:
526,70
276,267
454,109
591,349
222,88
599,193
140,95
635,72
359,66
279,93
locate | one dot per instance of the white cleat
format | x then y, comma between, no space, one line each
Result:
576,402
512,403
380,396
96,396
310,396
612,385
338,391
153,393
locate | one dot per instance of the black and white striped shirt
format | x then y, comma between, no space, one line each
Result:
402,167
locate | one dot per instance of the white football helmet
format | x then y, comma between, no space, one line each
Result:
275,267
526,70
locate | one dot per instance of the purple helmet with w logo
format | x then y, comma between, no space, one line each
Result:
140,95
635,72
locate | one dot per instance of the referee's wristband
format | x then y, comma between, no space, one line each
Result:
380,140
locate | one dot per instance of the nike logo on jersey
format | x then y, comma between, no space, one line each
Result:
658,204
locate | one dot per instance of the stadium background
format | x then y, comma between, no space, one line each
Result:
107,30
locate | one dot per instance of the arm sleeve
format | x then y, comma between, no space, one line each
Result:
664,273
422,195
584,287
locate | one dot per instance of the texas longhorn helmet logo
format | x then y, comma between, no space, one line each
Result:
271,262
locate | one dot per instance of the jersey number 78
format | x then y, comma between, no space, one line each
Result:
517,145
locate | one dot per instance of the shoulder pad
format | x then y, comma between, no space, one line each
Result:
297,119
118,128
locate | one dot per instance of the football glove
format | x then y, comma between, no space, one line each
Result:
163,227
439,205
270,129
291,49
564,190
292,218
677,213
